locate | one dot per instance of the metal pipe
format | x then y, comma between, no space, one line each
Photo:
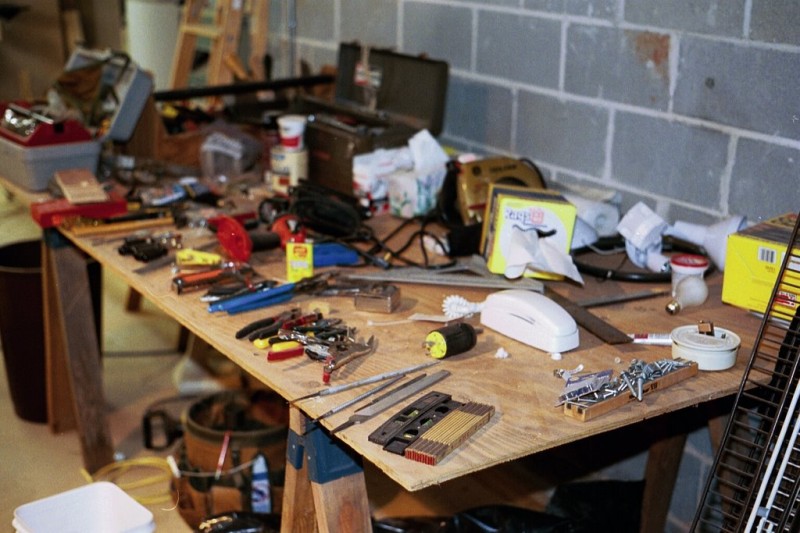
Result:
240,88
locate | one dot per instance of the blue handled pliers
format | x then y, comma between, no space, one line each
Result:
269,296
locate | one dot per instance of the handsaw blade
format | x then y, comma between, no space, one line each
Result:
593,324
449,278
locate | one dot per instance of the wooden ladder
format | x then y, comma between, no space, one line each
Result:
223,31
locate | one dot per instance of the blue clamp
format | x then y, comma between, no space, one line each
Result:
328,459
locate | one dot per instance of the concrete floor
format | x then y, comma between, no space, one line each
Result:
140,355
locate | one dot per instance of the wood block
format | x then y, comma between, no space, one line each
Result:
584,413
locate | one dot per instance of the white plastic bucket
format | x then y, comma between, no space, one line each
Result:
100,507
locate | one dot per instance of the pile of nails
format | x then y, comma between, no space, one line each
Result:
631,380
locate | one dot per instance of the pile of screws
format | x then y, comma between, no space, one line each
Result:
631,380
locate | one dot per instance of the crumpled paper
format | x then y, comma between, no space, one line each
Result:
426,152
413,192
528,251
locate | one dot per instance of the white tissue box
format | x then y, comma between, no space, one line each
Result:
371,178
512,208
413,194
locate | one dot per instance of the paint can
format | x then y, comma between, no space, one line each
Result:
287,168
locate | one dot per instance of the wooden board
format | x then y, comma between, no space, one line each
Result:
522,388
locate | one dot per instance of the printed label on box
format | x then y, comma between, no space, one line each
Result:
299,260
753,260
512,209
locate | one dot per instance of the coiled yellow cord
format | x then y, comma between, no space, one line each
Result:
114,471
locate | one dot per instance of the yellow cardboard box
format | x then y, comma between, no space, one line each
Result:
510,206
752,262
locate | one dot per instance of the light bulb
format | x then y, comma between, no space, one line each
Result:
689,292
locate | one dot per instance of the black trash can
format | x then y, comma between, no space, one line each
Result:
22,328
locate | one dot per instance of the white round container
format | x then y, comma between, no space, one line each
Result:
290,130
710,352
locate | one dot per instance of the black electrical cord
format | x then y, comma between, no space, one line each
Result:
381,245
617,243
335,217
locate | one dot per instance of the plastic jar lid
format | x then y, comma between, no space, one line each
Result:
688,263
710,352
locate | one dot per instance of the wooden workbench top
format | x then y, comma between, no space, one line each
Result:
522,387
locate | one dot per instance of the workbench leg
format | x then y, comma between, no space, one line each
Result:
336,479
60,412
73,351
716,431
663,460
298,503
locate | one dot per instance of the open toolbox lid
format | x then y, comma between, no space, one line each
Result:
107,88
408,89
122,93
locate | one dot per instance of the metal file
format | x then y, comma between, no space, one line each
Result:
393,397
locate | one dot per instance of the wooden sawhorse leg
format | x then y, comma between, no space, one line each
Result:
661,472
324,488
72,352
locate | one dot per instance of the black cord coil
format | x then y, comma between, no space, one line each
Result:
617,242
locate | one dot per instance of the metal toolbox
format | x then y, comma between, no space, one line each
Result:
382,98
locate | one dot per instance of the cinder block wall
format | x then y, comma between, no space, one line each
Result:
691,106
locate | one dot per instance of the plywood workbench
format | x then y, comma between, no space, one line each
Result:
522,388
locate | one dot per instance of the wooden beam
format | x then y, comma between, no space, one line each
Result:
298,503
71,310
661,472
60,413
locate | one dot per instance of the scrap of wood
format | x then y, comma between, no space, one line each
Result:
130,226
584,412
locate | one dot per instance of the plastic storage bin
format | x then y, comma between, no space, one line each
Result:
32,167
100,507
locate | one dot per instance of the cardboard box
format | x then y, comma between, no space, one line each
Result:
412,193
752,262
509,207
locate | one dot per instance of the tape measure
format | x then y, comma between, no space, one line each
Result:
450,340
